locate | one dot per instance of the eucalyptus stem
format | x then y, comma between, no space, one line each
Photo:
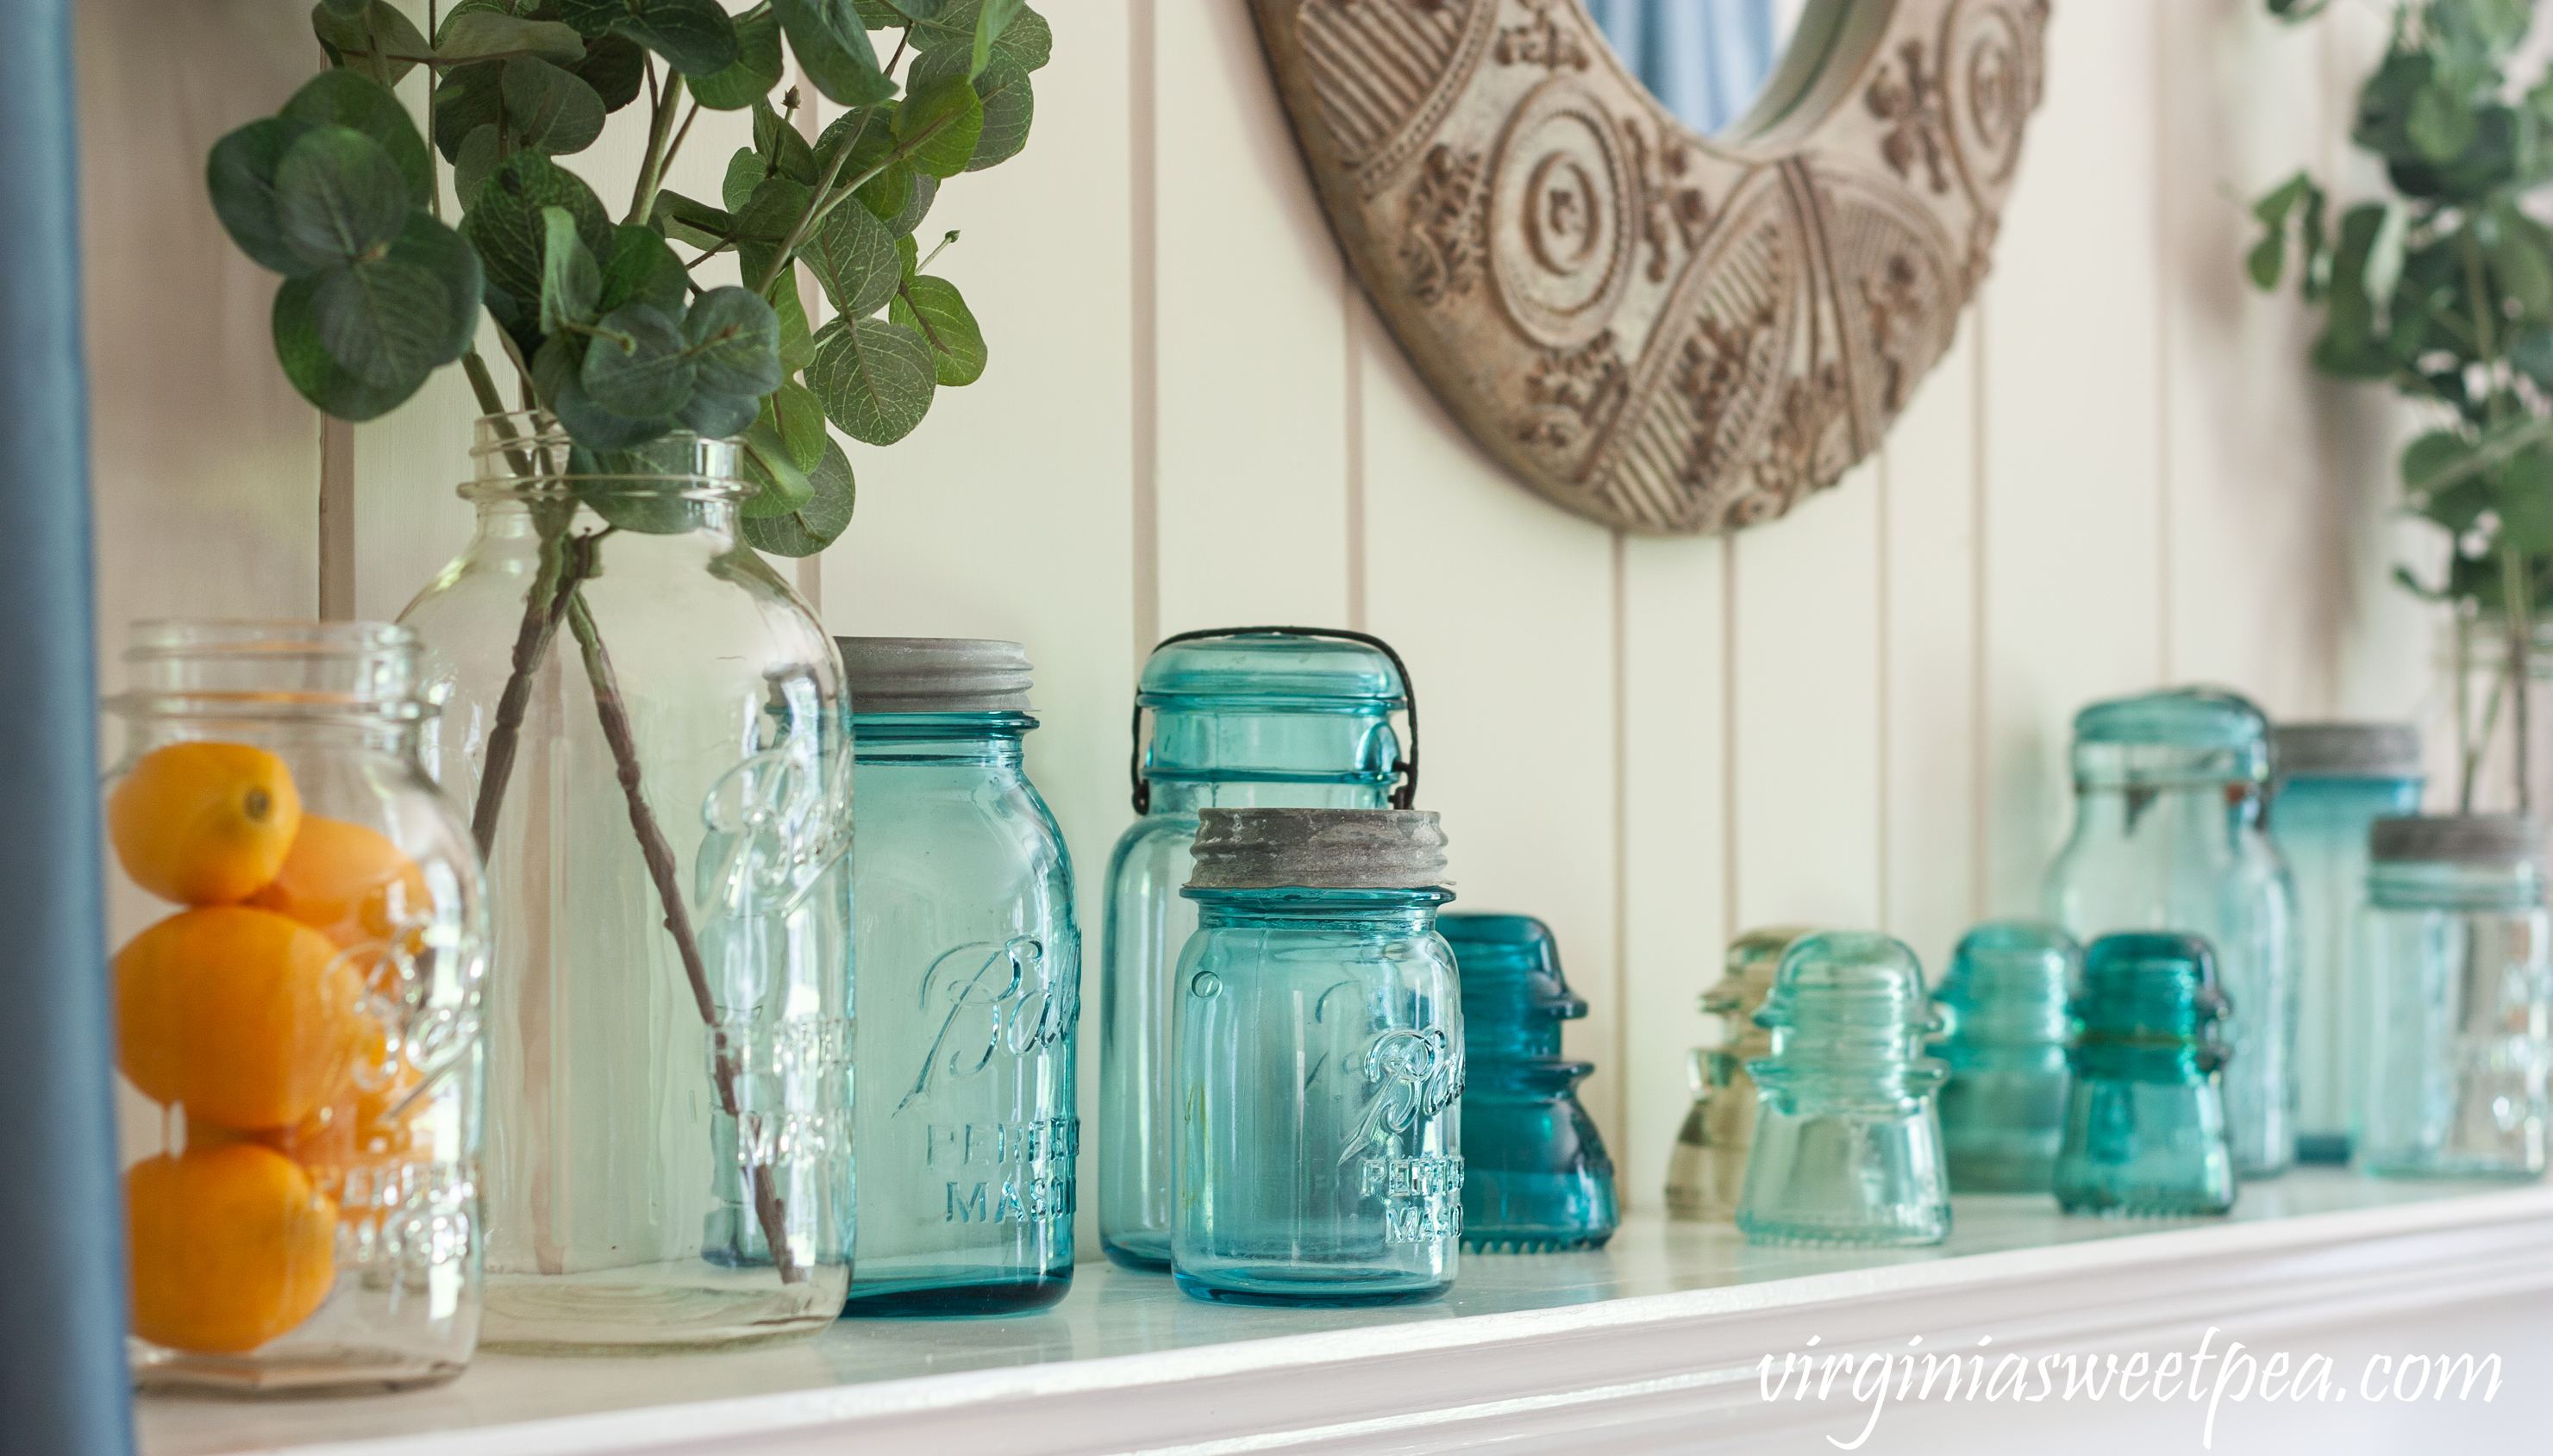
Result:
660,128
2516,591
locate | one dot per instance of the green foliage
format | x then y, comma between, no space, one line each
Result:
606,322
2443,288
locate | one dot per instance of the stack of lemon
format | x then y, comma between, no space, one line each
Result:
247,1011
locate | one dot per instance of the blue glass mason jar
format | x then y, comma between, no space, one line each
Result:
2003,1110
1847,1141
1320,1045
2333,781
2168,837
2459,999
1536,1179
1242,717
2145,1120
1707,1171
968,982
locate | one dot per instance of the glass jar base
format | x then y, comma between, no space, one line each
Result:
1145,1253
1535,1242
342,1372
1842,1238
687,1305
953,1295
2153,1207
1304,1289
2450,1170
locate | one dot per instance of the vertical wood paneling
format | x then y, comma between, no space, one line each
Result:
1674,838
1252,345
1504,613
1928,623
2072,574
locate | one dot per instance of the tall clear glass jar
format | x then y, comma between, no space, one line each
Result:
1536,1179
303,933
2334,780
1707,1171
2459,969
2488,730
1242,717
970,983
2168,837
2145,1116
1320,1043
651,729
2003,1110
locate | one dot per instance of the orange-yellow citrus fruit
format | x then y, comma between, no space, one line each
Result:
204,824
371,1123
345,881
231,1246
245,1017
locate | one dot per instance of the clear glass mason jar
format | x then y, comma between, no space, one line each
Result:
2168,837
971,980
2489,749
2459,968
2003,1110
651,729
304,933
1848,1144
1251,716
1320,1043
2145,1116
2334,780
1536,1179
1707,1171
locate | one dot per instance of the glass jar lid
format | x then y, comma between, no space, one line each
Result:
935,675
2188,735
1318,850
1272,668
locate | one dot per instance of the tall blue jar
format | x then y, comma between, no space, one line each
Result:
2003,1110
968,984
1847,1140
2459,1000
1536,1179
1320,1047
2168,837
1244,717
2333,781
2145,1119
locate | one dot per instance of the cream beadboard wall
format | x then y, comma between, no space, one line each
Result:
2120,477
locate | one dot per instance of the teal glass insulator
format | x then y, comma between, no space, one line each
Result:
2145,1120
1848,1144
1255,716
1706,1170
2458,965
2003,1110
1536,1179
2168,837
969,968
1320,1048
2331,782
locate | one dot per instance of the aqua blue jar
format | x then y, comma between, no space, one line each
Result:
1848,1144
2459,1000
2332,782
2168,837
2003,1110
1241,718
968,970
1536,1179
2145,1120
1320,1047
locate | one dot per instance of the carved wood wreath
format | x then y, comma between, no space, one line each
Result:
1666,332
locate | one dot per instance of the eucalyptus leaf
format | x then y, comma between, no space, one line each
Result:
358,103
785,153
992,17
2431,456
505,225
876,378
1009,102
831,43
938,124
571,281
307,362
799,417
240,175
734,340
797,341
2523,496
487,33
756,70
635,365
763,224
917,207
933,309
469,97
818,524
350,37
1026,39
687,221
642,270
744,172
616,66
715,417
391,321
344,7
339,196
2532,356
2439,125
479,154
853,257
548,109
696,37
782,484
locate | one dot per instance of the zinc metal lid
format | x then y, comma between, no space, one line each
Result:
935,675
2345,750
2458,838
1318,850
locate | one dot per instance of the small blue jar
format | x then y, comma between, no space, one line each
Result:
2332,782
1320,1039
2459,968
2003,1110
2145,1121
1535,1176
1848,1142
1239,718
968,968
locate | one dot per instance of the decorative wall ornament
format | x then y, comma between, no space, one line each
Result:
1665,332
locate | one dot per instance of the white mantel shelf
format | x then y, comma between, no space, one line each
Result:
1648,1342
